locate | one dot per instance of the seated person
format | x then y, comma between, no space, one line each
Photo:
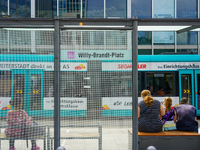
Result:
185,116
150,112
18,117
160,91
169,111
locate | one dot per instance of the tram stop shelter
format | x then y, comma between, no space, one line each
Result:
132,25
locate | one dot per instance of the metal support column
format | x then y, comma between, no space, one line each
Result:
135,86
57,83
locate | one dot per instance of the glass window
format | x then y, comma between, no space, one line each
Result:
160,83
44,9
144,52
48,84
187,8
144,37
95,9
116,8
141,9
187,38
163,38
116,37
167,10
5,84
93,37
72,84
3,7
191,51
160,51
117,84
20,8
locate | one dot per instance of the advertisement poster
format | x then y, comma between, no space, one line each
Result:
122,103
4,103
167,10
66,103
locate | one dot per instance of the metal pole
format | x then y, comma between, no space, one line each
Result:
135,86
57,83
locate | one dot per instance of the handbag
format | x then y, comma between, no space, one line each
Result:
169,125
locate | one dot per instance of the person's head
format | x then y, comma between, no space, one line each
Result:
160,88
168,104
146,95
184,100
17,103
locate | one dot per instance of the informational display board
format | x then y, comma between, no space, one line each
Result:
167,10
66,103
163,37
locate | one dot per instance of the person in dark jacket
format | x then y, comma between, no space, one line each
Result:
185,116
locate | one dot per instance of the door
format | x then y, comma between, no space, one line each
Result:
197,91
28,85
189,86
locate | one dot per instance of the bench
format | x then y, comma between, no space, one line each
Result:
42,137
167,140
76,135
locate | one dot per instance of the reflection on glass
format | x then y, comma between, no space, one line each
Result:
160,83
48,83
95,9
44,9
187,8
116,8
167,10
144,52
187,38
116,37
186,87
93,37
35,84
160,51
198,90
3,8
163,38
20,8
144,37
141,9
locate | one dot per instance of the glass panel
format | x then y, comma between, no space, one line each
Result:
116,38
44,9
187,8
144,52
3,8
35,84
5,83
116,84
141,9
163,38
198,90
160,83
160,51
20,8
187,38
72,9
186,87
144,37
48,84
19,85
191,51
116,9
167,10
95,9
93,38
4,41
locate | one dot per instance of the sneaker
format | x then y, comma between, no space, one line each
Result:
12,148
35,148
